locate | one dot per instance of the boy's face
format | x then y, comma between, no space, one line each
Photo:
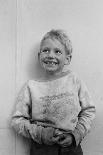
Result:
52,56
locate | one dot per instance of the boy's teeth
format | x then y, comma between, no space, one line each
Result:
51,63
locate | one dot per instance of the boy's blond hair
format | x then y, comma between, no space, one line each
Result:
61,36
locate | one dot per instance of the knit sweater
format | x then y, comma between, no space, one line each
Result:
63,103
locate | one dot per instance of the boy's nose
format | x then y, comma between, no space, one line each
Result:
51,54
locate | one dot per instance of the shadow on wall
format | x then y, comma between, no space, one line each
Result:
33,68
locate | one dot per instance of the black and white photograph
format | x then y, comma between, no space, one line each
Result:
51,77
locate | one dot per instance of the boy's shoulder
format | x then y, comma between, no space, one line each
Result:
74,75
27,83
76,79
31,82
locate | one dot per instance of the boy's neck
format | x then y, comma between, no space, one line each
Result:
51,76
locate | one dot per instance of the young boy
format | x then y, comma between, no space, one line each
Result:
56,111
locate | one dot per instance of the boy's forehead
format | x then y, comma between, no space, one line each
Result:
53,42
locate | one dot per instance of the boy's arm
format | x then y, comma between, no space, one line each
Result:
20,120
86,115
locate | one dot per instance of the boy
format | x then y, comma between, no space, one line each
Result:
56,112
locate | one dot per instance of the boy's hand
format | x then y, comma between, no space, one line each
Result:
35,132
47,135
64,139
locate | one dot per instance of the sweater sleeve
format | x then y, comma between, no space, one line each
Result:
21,117
86,115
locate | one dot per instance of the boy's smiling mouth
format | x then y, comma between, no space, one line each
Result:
50,62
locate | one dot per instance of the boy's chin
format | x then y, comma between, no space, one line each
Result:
52,72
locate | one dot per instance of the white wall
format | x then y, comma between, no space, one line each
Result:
22,25
7,73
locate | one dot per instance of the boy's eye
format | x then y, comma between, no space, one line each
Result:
58,52
45,50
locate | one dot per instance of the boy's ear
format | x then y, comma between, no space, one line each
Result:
68,59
